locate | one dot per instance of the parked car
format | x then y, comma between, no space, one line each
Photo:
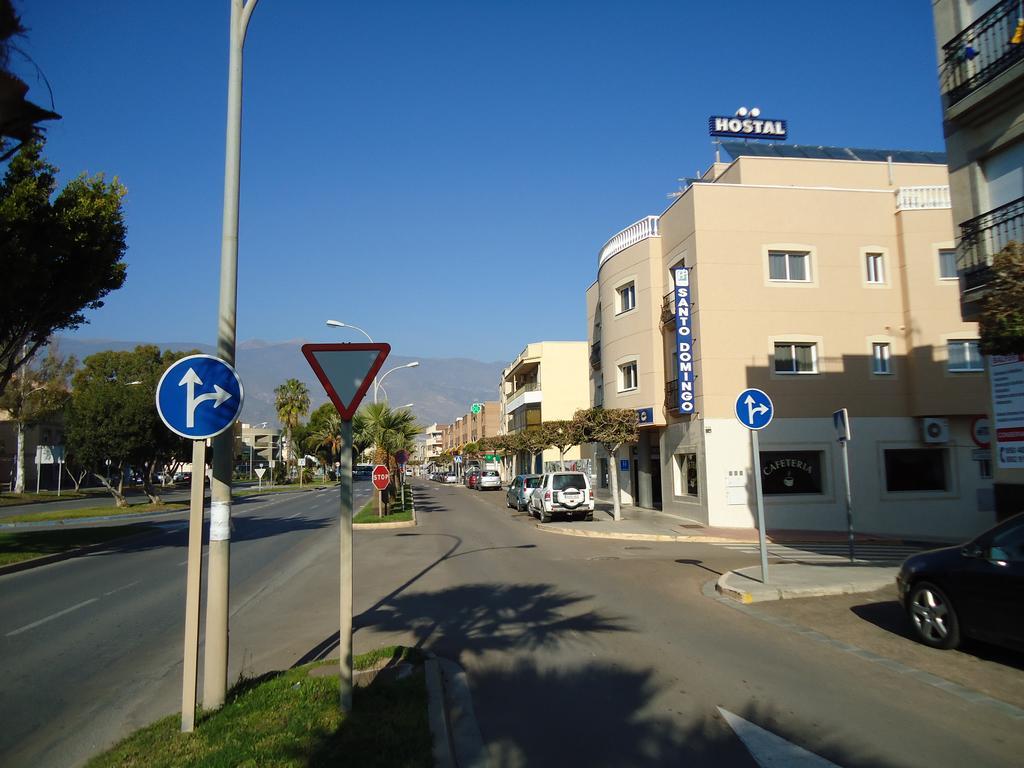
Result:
451,477
517,495
975,590
489,478
472,478
562,492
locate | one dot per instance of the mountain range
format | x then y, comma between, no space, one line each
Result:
440,389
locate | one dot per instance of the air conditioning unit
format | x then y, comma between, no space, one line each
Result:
935,430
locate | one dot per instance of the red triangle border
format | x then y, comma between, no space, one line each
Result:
346,411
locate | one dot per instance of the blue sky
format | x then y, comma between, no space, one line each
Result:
440,173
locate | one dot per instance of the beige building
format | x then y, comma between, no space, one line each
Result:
471,427
825,282
433,444
260,446
546,382
981,79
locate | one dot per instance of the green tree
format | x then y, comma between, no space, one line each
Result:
612,428
62,254
37,393
387,430
534,440
291,400
563,434
112,417
1001,324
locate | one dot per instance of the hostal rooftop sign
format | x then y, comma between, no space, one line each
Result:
747,128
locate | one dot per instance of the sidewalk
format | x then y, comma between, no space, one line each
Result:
785,580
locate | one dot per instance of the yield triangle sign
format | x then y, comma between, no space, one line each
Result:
346,371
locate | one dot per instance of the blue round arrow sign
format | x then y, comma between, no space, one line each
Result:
199,396
754,409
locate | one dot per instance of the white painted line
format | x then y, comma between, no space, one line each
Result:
126,586
292,517
769,750
51,617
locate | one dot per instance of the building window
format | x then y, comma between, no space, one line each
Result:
965,355
880,358
685,475
874,263
791,472
796,358
627,377
947,263
789,266
627,297
915,469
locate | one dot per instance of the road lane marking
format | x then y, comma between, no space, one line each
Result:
51,617
126,586
770,750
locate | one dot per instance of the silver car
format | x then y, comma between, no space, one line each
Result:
489,478
518,494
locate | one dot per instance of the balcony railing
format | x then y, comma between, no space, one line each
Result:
595,355
983,237
668,307
634,233
982,51
533,386
672,395
922,198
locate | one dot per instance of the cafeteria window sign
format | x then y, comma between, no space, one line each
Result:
791,472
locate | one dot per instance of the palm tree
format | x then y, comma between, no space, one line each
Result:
386,430
325,440
291,400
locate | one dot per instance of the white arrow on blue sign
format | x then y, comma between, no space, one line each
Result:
754,409
199,397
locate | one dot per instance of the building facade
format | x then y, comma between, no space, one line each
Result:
981,81
546,382
827,283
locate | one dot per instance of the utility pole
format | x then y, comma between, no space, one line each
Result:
215,679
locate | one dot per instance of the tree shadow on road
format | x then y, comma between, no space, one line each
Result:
599,714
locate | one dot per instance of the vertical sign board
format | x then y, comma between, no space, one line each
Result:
1006,373
198,397
346,372
684,339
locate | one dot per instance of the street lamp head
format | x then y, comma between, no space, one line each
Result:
132,383
336,324
411,365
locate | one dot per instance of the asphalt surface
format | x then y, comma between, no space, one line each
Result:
92,646
578,651
602,653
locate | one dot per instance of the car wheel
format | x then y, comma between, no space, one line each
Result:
589,517
932,616
545,516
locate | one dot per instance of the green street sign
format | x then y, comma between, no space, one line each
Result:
477,407
490,458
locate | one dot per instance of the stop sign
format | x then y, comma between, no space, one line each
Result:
381,477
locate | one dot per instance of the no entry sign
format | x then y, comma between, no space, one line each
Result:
381,477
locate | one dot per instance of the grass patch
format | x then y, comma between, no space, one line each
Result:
17,499
368,514
74,514
292,719
24,545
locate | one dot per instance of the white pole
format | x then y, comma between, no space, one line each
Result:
190,672
60,467
849,499
38,465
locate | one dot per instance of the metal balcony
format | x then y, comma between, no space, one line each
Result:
672,396
595,355
668,313
983,237
981,52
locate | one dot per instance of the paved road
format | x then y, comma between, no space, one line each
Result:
603,653
578,651
92,646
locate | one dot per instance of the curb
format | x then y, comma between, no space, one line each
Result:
453,727
640,536
384,526
766,593
73,521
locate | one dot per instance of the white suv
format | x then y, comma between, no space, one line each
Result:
567,492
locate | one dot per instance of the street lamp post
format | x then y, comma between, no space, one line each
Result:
377,382
216,661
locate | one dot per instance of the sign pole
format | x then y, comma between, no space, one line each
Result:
60,468
761,539
345,624
849,499
195,566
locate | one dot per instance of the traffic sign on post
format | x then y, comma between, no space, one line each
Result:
381,477
199,397
346,372
754,410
